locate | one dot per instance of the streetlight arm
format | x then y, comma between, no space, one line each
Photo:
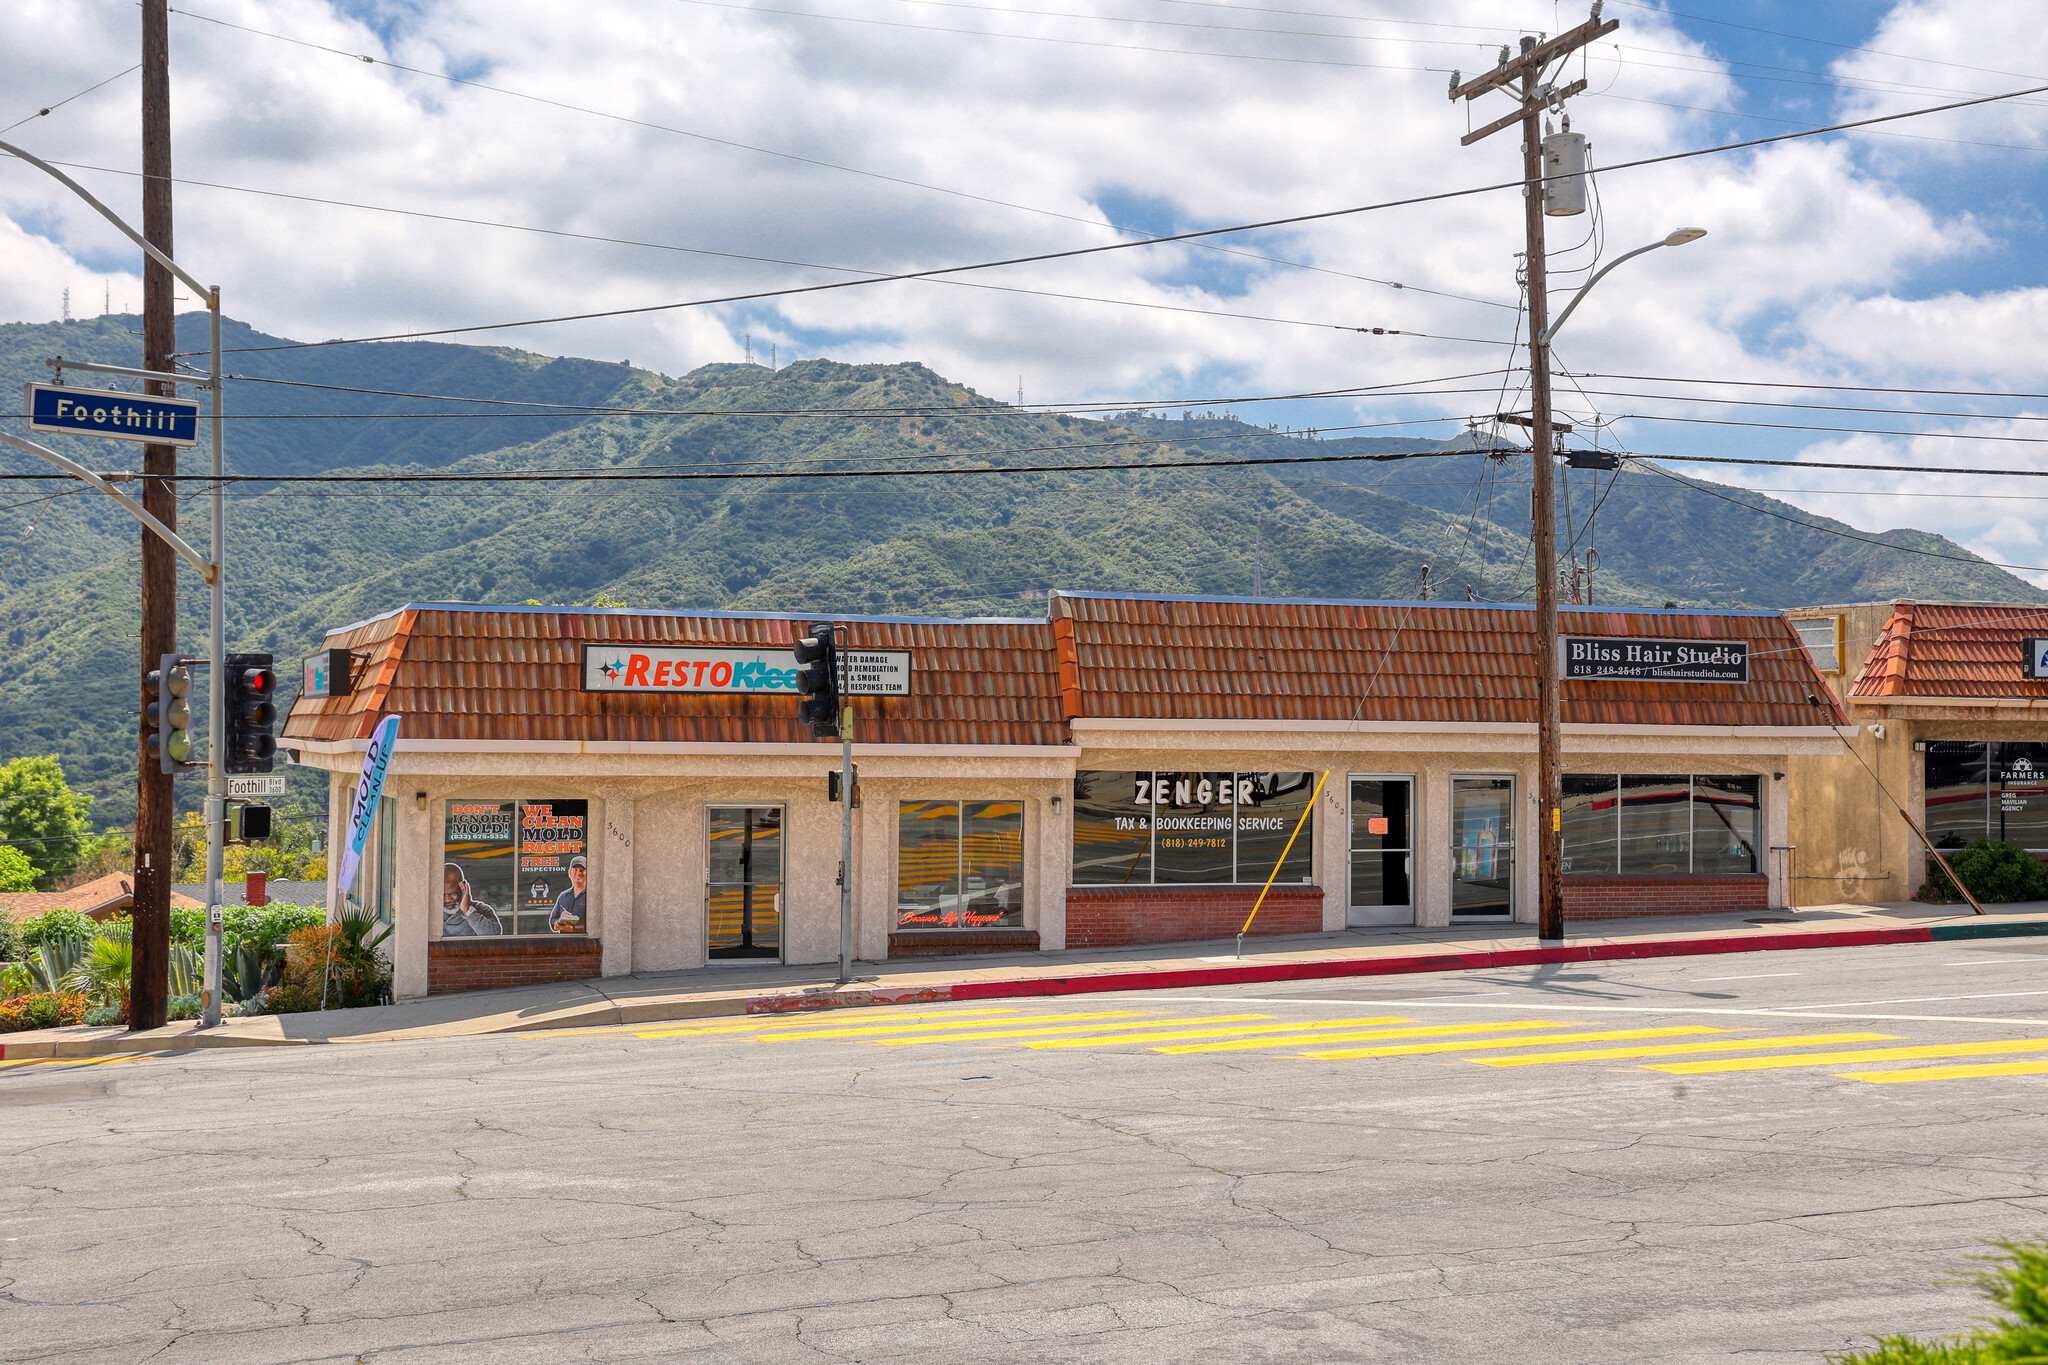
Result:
1599,275
79,471
130,233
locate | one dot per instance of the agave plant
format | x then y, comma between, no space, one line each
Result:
55,959
249,971
188,971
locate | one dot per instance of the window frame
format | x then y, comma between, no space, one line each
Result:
1692,823
1149,777
1835,646
960,895
508,913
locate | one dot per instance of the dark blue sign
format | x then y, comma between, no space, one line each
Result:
109,412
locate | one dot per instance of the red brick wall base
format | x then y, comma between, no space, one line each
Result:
955,942
475,964
1588,898
1112,916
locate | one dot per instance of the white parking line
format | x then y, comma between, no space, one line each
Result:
1758,976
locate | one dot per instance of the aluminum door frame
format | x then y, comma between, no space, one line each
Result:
1401,914
1514,781
781,920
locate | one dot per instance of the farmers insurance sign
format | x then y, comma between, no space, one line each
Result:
1592,659
745,672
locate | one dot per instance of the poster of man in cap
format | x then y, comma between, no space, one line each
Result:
554,868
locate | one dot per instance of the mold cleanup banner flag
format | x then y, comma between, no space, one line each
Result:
362,812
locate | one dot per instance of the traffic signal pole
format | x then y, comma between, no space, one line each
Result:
151,974
1534,96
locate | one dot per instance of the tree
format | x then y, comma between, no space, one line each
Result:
17,873
42,816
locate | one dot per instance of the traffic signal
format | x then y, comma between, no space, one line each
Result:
169,713
817,656
251,710
832,783
248,823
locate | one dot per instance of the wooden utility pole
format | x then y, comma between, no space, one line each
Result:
155,793
1534,96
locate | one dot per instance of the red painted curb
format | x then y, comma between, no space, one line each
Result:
1432,962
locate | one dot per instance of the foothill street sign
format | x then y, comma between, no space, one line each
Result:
112,413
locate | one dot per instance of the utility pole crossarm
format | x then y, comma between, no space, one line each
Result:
1510,120
1536,58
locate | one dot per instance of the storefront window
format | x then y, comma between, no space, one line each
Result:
1590,826
1191,828
1112,830
1957,790
1641,826
516,867
1656,825
1996,790
959,864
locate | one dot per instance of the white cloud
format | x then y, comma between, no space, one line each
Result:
1812,265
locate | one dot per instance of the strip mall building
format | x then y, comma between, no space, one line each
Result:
578,793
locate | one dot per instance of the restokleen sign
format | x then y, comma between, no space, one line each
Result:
1593,659
747,672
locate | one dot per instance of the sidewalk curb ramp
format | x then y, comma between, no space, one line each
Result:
183,1037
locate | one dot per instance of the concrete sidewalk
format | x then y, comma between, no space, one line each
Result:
733,990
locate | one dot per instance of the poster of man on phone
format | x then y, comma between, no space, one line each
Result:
554,867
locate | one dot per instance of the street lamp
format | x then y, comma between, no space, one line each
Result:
1678,238
211,565
1550,705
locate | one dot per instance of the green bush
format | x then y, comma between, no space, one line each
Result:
2018,1284
12,948
261,927
1996,872
57,924
17,873
101,1015
183,1007
333,966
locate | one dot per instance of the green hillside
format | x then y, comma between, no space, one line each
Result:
950,542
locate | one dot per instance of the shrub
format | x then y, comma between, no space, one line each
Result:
12,949
1996,872
2018,1284
341,957
105,970
183,1007
46,1009
101,1015
56,924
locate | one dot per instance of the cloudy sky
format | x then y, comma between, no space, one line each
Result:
359,167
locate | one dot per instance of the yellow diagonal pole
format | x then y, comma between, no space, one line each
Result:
1306,811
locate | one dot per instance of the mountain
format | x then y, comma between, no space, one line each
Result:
1340,522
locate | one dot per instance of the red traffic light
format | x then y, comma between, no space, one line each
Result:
260,682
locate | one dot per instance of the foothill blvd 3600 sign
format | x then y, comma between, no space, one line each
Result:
770,672
109,412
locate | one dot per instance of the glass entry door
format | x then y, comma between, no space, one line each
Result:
743,882
1483,847
1382,846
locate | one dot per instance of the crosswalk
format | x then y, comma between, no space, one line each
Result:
1673,1049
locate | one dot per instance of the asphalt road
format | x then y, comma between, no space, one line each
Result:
1606,1162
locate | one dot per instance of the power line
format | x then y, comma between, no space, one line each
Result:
1802,384
45,113
1818,42
786,156
1843,431
1076,252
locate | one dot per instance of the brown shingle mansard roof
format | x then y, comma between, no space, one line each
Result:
1953,649
1213,659
510,674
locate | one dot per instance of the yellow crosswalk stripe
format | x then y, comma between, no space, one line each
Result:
78,1061
1875,1054
1151,1035
1301,1035
1475,1044
1949,1073
1616,1053
879,1030
851,1018
1042,1032
726,1023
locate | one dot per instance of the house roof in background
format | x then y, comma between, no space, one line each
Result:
100,897
484,674
1953,649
